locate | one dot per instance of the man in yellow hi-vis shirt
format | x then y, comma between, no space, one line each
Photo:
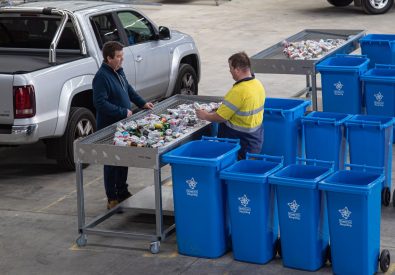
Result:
241,112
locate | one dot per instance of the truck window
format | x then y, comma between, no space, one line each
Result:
138,29
35,32
105,29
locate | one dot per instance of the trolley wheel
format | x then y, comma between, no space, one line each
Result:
385,260
81,240
278,248
385,196
328,254
154,247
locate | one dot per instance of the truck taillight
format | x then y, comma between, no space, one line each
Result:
24,101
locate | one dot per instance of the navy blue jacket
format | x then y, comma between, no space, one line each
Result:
112,96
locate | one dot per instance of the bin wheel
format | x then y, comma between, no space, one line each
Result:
386,196
328,254
154,247
385,260
278,248
81,240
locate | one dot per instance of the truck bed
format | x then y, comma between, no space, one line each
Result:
19,63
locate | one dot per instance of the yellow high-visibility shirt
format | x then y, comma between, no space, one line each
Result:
243,105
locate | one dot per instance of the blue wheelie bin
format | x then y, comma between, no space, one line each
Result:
319,126
370,143
354,213
341,85
302,215
251,203
281,124
379,48
199,195
379,92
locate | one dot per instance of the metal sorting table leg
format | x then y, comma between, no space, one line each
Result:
84,229
98,149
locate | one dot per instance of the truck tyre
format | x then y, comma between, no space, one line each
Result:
377,6
81,123
187,82
340,3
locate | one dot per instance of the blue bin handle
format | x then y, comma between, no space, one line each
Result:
364,167
315,161
385,66
229,140
264,157
321,119
351,55
365,123
273,111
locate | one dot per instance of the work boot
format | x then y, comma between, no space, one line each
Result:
124,196
111,204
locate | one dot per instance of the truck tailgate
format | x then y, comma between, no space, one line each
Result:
6,99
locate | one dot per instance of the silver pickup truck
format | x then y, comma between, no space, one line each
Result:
368,6
50,52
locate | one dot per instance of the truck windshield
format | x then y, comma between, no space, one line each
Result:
35,32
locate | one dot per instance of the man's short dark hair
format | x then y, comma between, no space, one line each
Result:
240,60
109,49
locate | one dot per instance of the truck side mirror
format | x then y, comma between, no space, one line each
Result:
164,32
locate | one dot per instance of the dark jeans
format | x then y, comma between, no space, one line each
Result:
115,182
249,142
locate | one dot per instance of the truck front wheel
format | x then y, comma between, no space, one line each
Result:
187,82
340,3
81,123
377,6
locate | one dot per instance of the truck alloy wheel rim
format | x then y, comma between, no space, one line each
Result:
84,128
187,84
378,4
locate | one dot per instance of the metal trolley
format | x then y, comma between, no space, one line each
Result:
98,149
273,61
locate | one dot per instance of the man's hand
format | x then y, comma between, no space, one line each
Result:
129,113
212,117
148,105
201,114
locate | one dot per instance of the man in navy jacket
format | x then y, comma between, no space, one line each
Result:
112,97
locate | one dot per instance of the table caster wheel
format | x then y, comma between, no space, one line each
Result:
154,247
81,241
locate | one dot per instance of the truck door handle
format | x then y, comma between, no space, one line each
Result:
139,58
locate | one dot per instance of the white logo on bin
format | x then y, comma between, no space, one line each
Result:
294,206
345,213
191,190
339,88
379,100
243,208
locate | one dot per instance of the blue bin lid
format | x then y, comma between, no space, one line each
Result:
254,171
206,152
302,176
381,73
351,181
286,108
344,63
381,122
285,104
318,118
377,38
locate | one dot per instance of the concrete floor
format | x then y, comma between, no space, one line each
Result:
38,224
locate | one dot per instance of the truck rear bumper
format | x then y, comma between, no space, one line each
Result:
20,135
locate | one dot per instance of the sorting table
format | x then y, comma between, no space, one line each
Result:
98,148
274,61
